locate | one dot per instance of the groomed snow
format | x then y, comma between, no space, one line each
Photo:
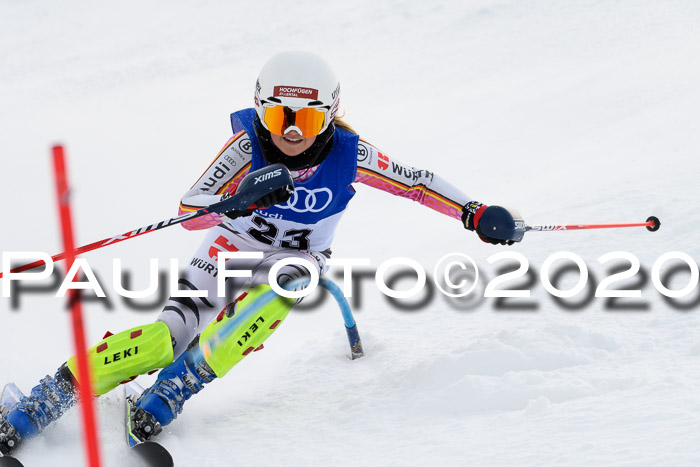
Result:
571,112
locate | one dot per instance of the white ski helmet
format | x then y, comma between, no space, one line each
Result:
297,80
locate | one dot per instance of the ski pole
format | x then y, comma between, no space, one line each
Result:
652,224
254,186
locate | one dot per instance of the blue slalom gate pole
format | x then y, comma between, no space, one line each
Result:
356,350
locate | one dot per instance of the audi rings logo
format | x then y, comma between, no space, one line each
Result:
305,200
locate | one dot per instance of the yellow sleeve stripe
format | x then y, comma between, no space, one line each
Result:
236,179
407,188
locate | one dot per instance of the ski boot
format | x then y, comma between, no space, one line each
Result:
117,358
239,330
46,403
161,403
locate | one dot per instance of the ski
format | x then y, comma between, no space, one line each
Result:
6,461
10,396
152,453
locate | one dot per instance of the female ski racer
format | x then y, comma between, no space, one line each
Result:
294,122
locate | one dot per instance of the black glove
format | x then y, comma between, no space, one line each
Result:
278,196
493,224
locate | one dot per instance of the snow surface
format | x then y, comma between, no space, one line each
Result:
571,112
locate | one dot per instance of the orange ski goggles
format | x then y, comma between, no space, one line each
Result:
309,122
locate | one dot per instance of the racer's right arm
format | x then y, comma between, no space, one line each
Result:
222,176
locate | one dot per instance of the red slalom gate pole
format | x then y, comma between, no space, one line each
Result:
84,376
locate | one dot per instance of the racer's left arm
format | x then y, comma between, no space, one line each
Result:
376,169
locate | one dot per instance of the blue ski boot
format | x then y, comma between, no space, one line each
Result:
161,403
46,403
237,331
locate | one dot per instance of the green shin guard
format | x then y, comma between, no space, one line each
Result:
256,315
125,355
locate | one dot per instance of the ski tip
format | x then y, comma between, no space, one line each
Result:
133,389
9,462
656,224
11,394
154,454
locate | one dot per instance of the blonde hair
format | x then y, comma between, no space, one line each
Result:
343,125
